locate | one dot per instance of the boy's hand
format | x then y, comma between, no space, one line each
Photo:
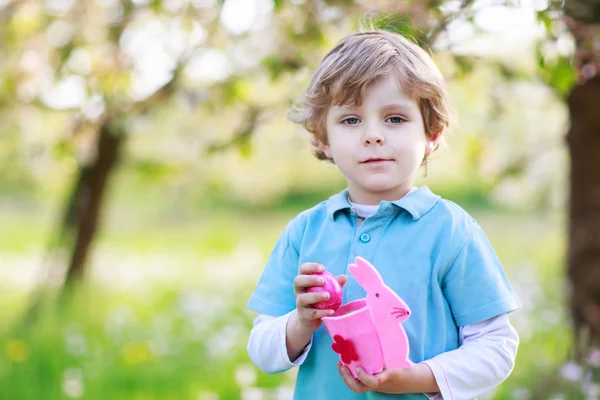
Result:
364,382
308,316
416,379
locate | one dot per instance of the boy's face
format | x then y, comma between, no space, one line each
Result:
379,145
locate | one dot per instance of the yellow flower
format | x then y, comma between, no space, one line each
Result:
16,350
136,353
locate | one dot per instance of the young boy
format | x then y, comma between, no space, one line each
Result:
377,107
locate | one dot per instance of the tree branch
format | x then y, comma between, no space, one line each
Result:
433,34
241,135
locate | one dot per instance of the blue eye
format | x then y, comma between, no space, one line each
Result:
395,120
351,121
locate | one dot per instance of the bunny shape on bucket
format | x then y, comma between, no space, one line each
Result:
388,311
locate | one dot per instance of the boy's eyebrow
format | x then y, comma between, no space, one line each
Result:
393,106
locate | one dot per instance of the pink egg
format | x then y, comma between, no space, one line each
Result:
332,286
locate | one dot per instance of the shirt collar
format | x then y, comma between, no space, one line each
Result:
417,203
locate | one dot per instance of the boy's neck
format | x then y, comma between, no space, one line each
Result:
374,199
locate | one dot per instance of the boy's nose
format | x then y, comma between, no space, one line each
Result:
372,136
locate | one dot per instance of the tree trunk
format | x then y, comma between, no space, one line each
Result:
583,18
584,212
86,202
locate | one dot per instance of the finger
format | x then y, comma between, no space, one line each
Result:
342,279
311,268
369,381
307,299
349,380
313,313
305,281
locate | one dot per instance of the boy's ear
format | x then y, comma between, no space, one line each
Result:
323,147
433,141
327,150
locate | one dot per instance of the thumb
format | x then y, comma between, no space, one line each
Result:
342,279
383,376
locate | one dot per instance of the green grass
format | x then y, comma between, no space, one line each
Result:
186,339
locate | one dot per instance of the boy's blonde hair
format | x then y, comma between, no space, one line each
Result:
361,59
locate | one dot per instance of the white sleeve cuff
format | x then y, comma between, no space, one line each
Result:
484,359
441,379
267,344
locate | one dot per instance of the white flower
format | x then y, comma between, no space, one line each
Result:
73,382
245,375
593,357
521,394
571,371
253,394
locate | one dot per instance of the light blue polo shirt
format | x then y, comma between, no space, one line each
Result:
427,249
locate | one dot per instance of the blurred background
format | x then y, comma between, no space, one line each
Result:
147,168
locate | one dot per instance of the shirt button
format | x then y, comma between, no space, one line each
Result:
365,237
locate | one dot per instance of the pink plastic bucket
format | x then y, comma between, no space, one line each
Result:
355,337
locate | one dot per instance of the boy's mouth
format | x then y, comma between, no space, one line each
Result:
376,160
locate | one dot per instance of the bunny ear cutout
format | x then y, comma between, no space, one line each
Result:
365,273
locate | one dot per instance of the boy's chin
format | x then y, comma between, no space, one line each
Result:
381,188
